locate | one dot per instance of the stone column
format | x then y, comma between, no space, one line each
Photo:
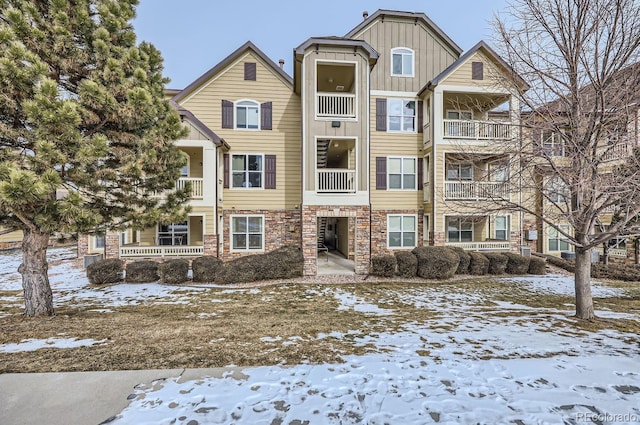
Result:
309,241
112,246
210,243
83,245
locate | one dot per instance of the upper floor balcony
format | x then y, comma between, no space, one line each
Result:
336,91
197,186
336,105
477,130
335,166
475,190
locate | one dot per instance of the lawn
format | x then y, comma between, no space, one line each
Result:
438,347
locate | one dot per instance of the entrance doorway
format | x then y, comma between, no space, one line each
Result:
335,245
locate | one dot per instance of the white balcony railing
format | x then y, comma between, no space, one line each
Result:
477,130
615,152
481,246
332,180
613,252
161,251
197,186
336,105
475,190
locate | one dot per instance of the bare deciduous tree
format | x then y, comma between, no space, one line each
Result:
576,163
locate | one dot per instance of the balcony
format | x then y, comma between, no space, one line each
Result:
475,190
197,186
481,246
332,180
616,152
613,252
477,130
336,105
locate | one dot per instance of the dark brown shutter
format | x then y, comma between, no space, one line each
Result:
381,114
265,116
227,114
420,176
225,171
420,117
477,70
250,71
381,173
269,171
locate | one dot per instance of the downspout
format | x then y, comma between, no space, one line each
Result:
215,203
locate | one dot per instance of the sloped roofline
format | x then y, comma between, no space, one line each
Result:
185,113
492,54
225,62
417,16
337,41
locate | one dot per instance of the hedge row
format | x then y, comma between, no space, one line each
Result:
438,262
624,272
283,263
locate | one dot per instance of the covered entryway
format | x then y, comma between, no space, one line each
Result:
335,245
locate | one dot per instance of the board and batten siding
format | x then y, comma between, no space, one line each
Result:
462,75
431,55
322,129
385,144
283,140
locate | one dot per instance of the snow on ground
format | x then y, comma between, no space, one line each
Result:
558,284
36,344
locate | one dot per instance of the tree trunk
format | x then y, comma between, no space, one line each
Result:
35,280
584,301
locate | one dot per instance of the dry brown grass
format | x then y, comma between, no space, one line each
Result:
219,328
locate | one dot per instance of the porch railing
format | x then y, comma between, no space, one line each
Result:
475,190
477,130
613,252
615,152
481,246
197,186
332,180
336,105
161,251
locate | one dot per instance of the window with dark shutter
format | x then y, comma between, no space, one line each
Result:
420,116
381,173
250,71
420,176
265,116
269,171
227,114
225,171
381,114
477,70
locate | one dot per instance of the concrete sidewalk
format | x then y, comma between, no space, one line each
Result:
79,398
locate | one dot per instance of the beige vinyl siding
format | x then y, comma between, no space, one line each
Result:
15,236
322,129
194,133
431,56
209,219
385,144
283,141
492,77
195,161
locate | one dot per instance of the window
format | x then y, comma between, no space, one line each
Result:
173,234
247,233
459,230
459,171
558,242
552,143
401,173
498,172
402,62
557,190
502,227
401,115
247,114
401,231
459,115
247,171
184,171
98,242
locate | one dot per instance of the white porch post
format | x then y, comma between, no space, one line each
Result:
209,174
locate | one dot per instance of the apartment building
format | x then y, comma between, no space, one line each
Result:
383,140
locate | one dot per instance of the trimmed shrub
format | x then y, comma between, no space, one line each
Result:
497,262
537,265
174,271
105,271
436,262
283,263
407,264
479,264
516,264
144,271
205,268
384,265
561,262
465,260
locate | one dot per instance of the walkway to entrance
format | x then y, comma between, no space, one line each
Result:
337,264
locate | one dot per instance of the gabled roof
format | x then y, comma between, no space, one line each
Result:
338,41
416,16
486,49
228,60
185,113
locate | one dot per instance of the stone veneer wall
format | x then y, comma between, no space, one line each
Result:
112,246
210,244
359,235
379,230
282,228
83,245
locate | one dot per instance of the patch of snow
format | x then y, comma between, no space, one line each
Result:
37,344
349,301
557,284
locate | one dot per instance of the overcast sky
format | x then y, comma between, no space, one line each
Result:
194,35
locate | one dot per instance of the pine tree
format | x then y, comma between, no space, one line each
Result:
86,135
